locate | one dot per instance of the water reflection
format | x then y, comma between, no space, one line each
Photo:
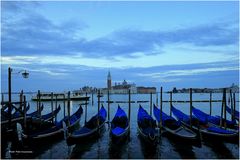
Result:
116,151
220,150
183,148
149,151
80,149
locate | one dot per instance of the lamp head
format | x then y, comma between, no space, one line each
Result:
25,74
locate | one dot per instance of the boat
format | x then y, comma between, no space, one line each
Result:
206,129
173,126
49,129
32,116
146,126
236,114
60,97
91,128
119,126
204,118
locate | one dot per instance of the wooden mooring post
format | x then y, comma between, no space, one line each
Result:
68,107
86,109
64,105
225,104
210,104
161,100
234,105
39,103
98,123
191,107
52,103
21,100
156,98
92,98
108,97
2,98
56,103
25,104
151,104
129,108
170,103
232,110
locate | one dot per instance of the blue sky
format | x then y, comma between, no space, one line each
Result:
67,45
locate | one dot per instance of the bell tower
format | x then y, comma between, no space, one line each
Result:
109,81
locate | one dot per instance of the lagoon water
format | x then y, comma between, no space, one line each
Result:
134,148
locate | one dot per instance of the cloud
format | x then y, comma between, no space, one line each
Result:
34,34
179,74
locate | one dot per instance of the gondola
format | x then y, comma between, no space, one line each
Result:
146,126
18,113
206,129
90,130
173,126
50,130
236,113
31,116
119,126
204,118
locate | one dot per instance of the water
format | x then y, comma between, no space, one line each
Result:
135,148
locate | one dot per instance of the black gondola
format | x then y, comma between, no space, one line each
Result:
174,127
146,126
90,129
119,126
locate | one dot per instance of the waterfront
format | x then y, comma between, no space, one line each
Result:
134,148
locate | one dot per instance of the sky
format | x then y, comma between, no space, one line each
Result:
68,45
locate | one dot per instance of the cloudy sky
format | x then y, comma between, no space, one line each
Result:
67,45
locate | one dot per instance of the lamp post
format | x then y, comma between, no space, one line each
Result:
25,74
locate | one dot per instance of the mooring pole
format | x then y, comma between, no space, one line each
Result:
225,104
68,105
39,102
52,104
156,98
21,100
231,98
171,103
86,109
210,104
129,107
161,100
92,98
64,105
151,103
191,107
221,120
234,104
98,96
108,108
2,98
56,106
25,103
9,97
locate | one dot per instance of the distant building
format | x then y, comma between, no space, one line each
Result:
145,90
109,81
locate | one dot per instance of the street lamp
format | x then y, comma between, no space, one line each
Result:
25,74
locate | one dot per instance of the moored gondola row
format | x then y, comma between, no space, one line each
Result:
181,126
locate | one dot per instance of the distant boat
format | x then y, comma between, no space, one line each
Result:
146,126
174,127
119,126
206,129
60,97
90,130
